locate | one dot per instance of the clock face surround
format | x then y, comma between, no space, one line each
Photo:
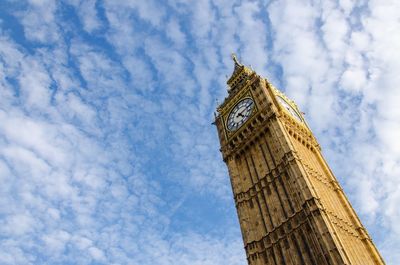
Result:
289,109
240,114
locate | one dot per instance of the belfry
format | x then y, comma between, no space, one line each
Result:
290,206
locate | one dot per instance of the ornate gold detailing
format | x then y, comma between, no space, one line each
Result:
345,226
239,76
279,93
244,136
318,176
234,58
266,180
291,224
300,133
234,98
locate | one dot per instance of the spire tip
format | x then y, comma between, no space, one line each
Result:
235,59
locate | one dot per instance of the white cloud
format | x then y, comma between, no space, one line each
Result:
175,33
353,79
252,34
18,224
56,242
39,22
202,20
150,11
79,192
88,14
96,253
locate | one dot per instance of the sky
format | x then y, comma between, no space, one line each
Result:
107,152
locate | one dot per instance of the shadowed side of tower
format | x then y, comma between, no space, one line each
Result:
291,208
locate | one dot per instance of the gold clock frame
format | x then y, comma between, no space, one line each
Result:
227,111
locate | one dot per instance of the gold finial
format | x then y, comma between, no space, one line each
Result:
235,59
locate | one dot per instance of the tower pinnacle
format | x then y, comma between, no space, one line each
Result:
235,59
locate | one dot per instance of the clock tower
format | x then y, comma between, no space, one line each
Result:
290,206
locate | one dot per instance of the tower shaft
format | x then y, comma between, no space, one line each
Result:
290,206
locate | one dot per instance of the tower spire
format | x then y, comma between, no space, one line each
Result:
235,59
240,74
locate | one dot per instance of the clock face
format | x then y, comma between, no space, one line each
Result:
289,108
240,114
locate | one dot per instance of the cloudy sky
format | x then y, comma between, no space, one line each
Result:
107,152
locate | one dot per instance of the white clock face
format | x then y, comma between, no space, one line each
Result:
289,108
240,114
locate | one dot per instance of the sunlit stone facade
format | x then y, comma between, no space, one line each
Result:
291,208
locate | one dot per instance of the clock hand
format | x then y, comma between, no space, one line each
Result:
241,113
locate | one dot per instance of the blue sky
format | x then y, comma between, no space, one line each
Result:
107,152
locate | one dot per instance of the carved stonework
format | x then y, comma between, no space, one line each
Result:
291,208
